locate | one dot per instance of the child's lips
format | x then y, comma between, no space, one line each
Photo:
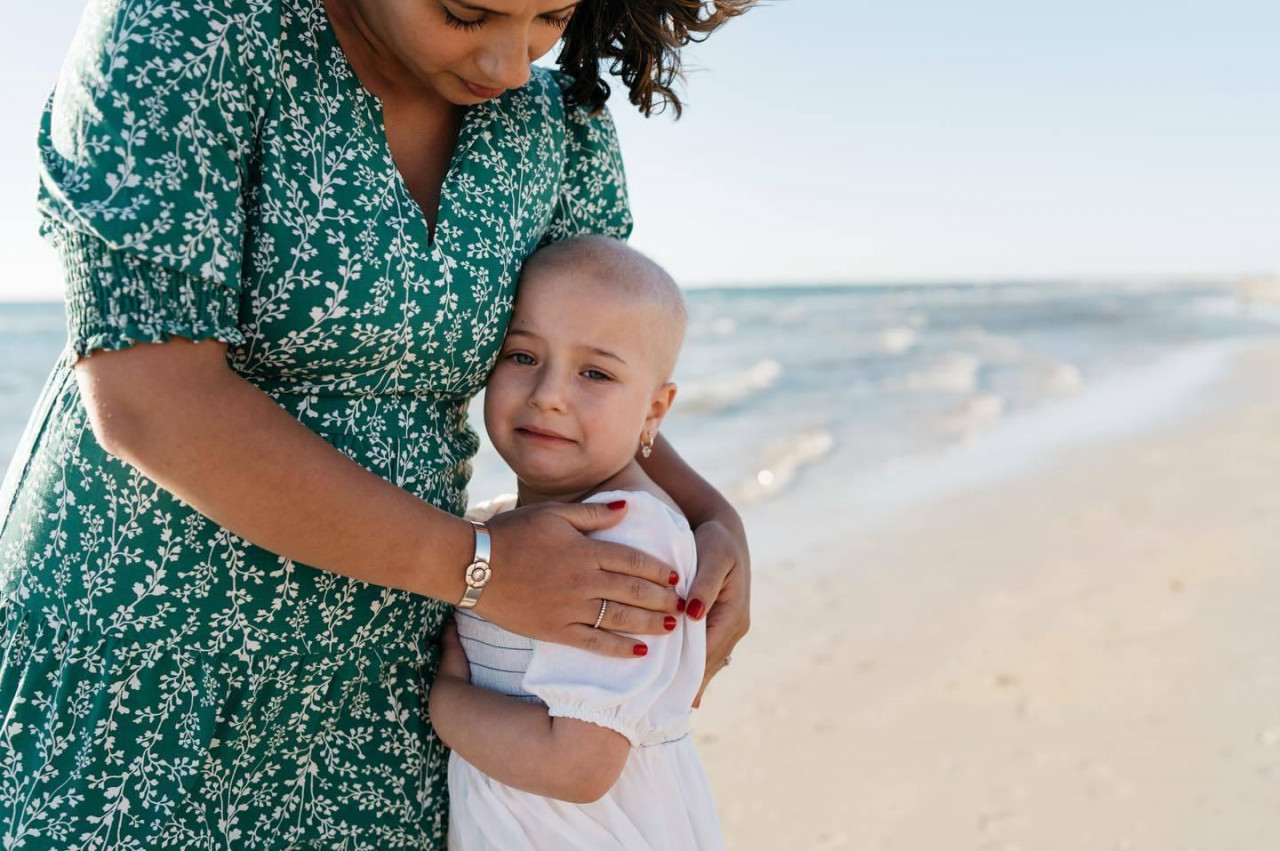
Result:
540,435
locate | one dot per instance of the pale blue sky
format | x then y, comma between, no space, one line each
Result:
899,140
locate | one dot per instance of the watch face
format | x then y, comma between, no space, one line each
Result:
478,574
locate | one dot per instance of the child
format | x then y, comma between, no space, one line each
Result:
555,747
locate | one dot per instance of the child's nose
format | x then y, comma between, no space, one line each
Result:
548,393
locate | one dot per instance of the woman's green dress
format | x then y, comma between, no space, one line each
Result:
213,169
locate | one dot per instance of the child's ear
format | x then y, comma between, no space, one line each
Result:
659,406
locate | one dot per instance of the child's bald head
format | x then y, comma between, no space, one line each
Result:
607,274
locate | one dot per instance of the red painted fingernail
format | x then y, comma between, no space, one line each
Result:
640,650
616,505
695,609
668,623
679,605
673,579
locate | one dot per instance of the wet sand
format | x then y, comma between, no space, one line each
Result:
1082,656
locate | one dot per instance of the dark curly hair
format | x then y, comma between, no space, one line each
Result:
641,41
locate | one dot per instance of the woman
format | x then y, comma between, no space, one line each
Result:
290,231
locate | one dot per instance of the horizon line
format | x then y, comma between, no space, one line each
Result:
932,281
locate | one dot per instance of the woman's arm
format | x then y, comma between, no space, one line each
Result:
518,743
179,414
722,589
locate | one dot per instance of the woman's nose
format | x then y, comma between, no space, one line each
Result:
505,61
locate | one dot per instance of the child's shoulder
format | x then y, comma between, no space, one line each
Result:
644,502
485,510
635,481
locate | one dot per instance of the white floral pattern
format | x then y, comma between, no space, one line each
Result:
214,170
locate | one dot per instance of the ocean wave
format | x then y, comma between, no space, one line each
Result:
992,347
783,461
954,372
703,398
1063,378
897,340
723,326
977,412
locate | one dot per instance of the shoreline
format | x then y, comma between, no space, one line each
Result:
1074,656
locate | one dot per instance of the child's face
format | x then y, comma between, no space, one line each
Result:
579,378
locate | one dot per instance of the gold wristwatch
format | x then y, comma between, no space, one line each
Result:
478,572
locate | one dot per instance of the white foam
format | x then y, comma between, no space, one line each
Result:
784,459
895,341
1064,378
723,326
1128,402
978,412
705,398
992,347
954,372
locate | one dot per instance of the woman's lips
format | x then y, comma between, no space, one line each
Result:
542,436
481,91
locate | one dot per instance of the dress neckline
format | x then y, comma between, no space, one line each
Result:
474,119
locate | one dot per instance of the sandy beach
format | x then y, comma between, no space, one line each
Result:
1085,655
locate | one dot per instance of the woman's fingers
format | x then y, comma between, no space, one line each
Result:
631,590
591,516
651,579
723,571
620,617
549,578
604,642
720,643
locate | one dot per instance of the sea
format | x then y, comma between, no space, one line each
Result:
783,388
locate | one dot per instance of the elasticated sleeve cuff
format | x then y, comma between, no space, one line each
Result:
116,299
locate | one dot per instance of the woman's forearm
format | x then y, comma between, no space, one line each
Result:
699,501
197,429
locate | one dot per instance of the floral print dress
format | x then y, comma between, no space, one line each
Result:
213,169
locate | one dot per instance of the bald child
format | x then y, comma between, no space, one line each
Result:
556,747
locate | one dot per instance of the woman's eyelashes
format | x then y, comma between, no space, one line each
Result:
558,21
461,23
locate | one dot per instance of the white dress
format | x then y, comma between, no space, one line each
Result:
662,801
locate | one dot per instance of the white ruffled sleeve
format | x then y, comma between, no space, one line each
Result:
647,700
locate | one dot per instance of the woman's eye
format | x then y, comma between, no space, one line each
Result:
558,21
460,23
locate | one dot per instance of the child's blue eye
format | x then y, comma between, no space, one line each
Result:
516,356
596,375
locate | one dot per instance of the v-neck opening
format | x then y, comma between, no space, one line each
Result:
457,159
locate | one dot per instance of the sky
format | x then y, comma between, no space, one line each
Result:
885,141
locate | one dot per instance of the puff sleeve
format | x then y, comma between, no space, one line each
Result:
145,145
646,700
593,187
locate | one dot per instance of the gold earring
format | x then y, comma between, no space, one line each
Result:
646,448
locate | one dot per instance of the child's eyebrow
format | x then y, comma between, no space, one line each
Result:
604,353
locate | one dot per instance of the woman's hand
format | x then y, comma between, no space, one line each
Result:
549,580
721,591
